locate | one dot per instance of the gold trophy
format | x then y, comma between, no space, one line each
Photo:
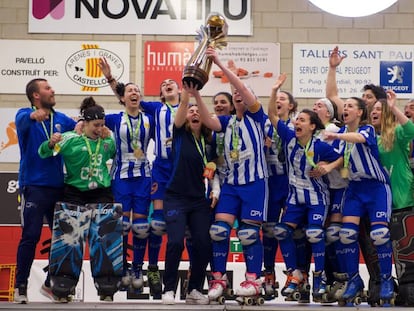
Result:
213,34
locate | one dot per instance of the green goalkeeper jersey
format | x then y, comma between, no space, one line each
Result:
85,160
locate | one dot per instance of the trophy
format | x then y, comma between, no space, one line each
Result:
213,34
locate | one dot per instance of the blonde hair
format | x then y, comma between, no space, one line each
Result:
388,125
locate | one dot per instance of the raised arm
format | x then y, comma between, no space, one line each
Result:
272,107
331,91
248,97
392,103
205,116
106,70
181,113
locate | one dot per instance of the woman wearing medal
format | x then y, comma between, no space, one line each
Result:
186,203
85,156
131,181
244,192
362,167
278,188
307,159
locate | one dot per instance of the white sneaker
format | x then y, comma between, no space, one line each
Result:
217,285
137,279
196,298
20,295
168,298
251,287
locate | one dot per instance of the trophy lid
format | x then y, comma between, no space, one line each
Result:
216,24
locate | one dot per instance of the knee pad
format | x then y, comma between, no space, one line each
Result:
220,231
140,228
315,234
268,228
126,225
282,231
348,235
158,227
380,234
332,232
248,234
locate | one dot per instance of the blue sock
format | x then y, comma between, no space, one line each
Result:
139,245
384,252
221,251
288,248
155,240
350,248
269,253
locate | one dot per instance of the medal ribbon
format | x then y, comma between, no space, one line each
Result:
308,157
93,164
51,125
203,145
234,135
132,132
347,151
172,110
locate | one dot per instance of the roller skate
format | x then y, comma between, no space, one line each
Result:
137,280
297,287
126,279
270,285
387,295
319,285
251,291
335,290
354,293
219,288
154,281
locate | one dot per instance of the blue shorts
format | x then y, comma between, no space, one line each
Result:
278,191
304,214
161,173
368,198
133,194
246,202
336,199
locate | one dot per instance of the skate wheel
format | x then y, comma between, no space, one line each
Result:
260,301
296,296
248,301
230,292
307,287
357,300
276,284
221,300
240,300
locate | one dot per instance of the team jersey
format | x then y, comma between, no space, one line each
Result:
34,170
163,115
300,161
188,165
85,160
397,163
127,164
275,155
335,179
246,138
364,160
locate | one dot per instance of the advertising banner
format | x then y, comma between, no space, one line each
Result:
71,67
390,66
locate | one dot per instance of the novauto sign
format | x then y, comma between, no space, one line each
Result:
168,17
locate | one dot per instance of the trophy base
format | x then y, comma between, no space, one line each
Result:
195,75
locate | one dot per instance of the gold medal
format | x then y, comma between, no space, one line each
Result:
209,170
344,173
234,155
138,153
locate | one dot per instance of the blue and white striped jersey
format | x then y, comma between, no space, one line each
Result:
275,157
126,164
250,164
302,188
163,115
364,160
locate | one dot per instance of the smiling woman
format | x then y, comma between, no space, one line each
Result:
353,8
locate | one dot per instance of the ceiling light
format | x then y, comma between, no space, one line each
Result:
353,8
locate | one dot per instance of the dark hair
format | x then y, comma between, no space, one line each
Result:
33,87
292,100
90,110
363,106
314,119
229,98
377,90
162,97
120,90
